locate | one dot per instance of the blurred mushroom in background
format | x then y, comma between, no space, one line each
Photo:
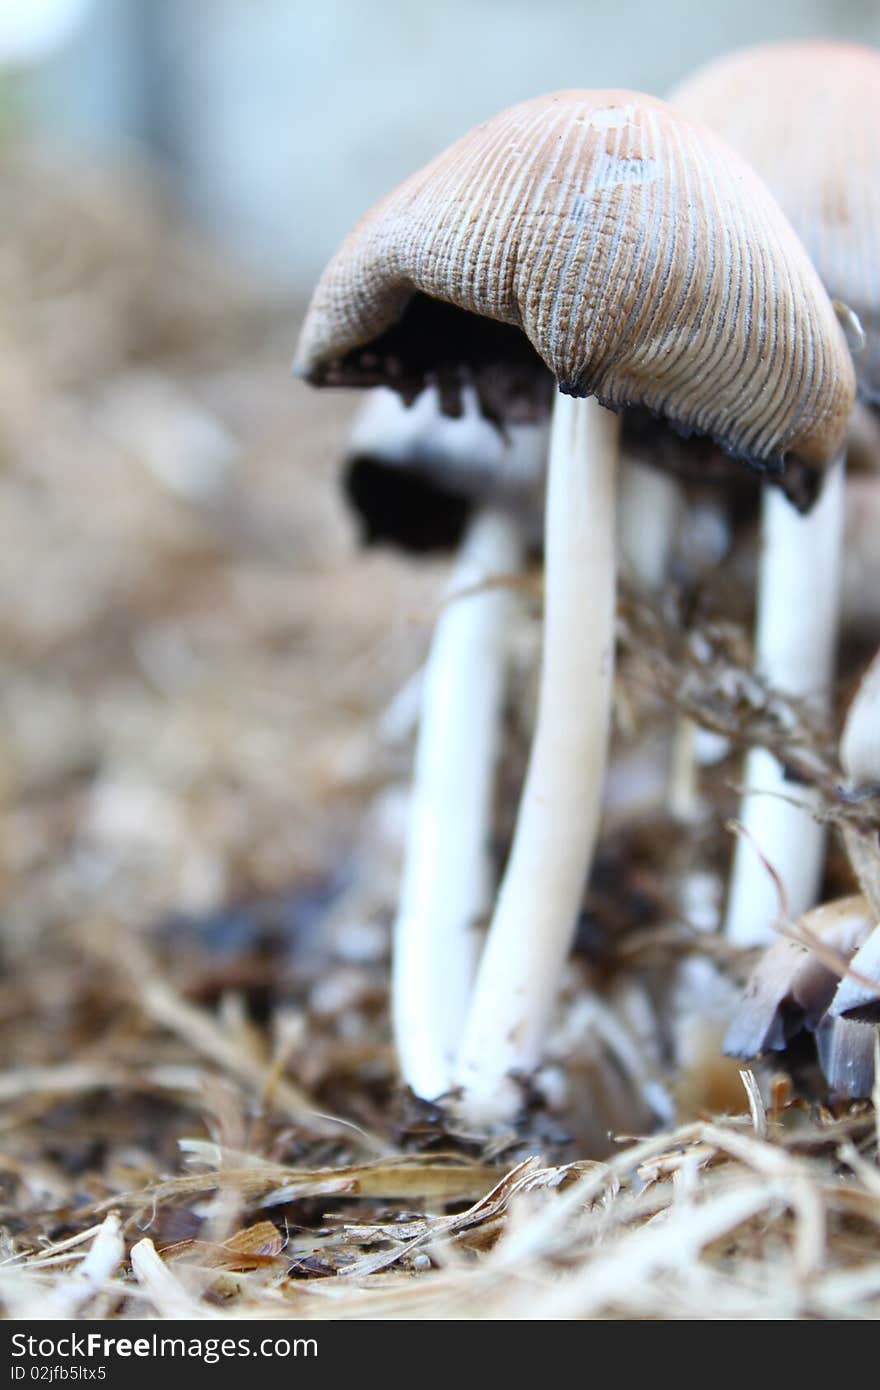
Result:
792,109
824,977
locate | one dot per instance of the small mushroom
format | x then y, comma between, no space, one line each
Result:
802,986
414,477
792,985
424,480
606,237
791,109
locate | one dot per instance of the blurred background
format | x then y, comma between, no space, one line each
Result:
204,756
203,764
280,121
194,651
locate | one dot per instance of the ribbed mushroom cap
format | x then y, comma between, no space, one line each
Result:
642,259
807,116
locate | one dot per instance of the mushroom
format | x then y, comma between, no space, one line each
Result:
799,985
792,991
792,985
415,478
421,479
807,118
608,238
860,755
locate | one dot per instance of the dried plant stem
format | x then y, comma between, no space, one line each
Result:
683,794
207,1037
864,856
88,1279
534,920
797,621
446,883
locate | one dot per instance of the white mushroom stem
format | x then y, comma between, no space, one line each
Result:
796,634
540,896
861,555
860,757
652,509
651,503
446,883
860,741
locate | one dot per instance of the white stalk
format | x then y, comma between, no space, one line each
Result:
860,757
652,506
861,555
860,740
446,881
682,791
538,903
795,639
651,503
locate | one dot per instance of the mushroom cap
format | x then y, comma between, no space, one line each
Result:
807,116
644,262
854,1000
791,988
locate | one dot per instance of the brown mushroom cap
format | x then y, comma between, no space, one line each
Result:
807,117
642,259
791,987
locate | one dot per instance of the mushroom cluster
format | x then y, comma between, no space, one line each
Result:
608,240
791,108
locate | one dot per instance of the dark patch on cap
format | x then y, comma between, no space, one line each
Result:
436,344
867,1011
401,507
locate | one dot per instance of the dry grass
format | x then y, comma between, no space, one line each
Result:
199,838
776,1217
